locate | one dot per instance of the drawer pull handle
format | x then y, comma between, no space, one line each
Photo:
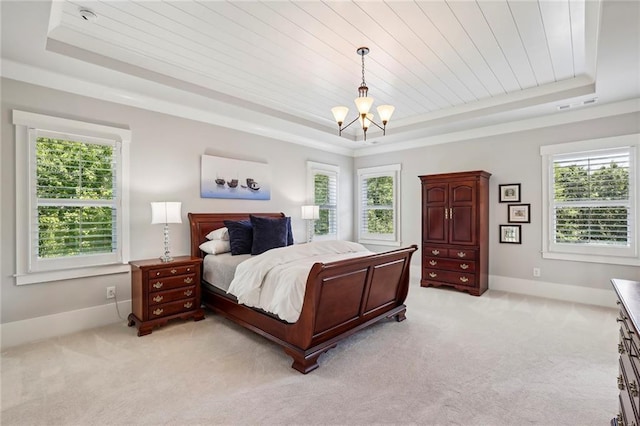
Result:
158,298
464,266
621,348
157,274
188,280
633,388
159,284
188,292
173,271
188,305
620,382
462,254
464,279
435,252
433,274
158,311
433,263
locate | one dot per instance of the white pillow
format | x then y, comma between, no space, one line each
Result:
215,247
218,234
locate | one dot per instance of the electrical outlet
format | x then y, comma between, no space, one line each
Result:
111,292
536,272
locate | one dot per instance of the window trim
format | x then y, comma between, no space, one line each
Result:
393,170
314,168
25,123
584,254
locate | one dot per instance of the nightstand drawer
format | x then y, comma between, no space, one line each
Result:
451,264
166,283
172,308
171,271
171,295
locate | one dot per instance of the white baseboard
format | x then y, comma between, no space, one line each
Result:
566,292
33,329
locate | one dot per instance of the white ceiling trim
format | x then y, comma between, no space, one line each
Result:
265,125
558,118
259,124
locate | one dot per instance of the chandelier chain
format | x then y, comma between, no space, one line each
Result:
363,82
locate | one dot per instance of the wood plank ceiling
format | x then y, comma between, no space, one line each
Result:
299,58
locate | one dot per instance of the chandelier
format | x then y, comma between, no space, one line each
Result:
363,104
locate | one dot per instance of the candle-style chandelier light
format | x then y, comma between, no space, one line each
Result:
363,104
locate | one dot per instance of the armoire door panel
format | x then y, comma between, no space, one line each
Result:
462,223
435,228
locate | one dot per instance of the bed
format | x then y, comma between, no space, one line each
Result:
340,297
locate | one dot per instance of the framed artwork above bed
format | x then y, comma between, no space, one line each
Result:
234,179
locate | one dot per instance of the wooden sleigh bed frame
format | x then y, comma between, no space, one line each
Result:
340,298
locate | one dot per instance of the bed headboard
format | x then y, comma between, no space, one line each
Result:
201,224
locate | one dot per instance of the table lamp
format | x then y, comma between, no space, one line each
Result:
310,214
166,213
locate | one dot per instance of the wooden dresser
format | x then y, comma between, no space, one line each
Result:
628,293
162,291
455,231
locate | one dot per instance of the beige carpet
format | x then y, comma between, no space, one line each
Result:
500,359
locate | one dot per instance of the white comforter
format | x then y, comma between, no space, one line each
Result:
275,280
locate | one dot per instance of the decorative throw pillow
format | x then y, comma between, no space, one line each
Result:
240,236
268,233
218,234
289,232
215,246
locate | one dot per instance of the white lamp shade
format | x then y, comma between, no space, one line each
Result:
367,121
310,212
385,112
166,212
363,103
340,113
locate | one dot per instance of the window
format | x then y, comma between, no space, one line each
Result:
71,210
323,192
379,205
590,194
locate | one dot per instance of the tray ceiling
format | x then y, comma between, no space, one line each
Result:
438,62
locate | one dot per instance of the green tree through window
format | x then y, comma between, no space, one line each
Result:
379,205
592,202
75,193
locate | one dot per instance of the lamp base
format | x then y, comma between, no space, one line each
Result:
166,259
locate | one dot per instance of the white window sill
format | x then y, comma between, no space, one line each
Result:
611,260
380,242
68,274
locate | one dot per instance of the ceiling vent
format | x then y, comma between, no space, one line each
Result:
586,102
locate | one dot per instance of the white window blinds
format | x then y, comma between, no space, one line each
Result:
590,192
379,205
591,198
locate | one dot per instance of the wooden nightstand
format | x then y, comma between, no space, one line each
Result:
162,291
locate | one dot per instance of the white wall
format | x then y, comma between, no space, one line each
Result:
165,165
512,158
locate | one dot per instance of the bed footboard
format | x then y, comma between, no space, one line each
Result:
346,296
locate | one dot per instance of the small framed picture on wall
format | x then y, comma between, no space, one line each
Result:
519,213
510,234
510,193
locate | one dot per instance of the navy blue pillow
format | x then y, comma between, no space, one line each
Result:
289,232
268,233
240,236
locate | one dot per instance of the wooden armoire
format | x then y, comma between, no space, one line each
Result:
455,231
